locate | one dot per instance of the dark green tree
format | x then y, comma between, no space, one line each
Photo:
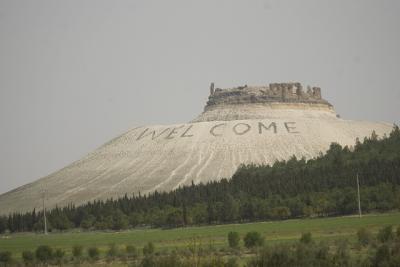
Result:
233,239
44,254
385,234
58,255
148,249
93,253
253,239
306,238
77,251
28,257
132,251
5,258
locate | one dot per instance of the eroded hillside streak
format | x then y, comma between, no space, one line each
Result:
173,173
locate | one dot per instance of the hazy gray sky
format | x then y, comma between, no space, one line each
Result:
74,74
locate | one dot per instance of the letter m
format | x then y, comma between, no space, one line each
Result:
262,126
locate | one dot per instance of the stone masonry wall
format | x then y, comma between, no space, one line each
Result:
275,92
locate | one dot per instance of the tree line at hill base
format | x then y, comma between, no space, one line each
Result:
296,188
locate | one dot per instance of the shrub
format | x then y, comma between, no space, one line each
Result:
303,254
364,236
132,251
44,253
77,251
386,234
213,262
148,261
398,233
341,256
306,238
232,262
382,256
233,239
253,239
112,251
171,260
273,256
322,253
28,257
59,255
93,253
148,249
5,257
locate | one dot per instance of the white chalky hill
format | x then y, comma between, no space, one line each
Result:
239,125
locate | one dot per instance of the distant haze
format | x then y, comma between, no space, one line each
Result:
74,74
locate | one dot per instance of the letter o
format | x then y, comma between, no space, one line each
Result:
235,130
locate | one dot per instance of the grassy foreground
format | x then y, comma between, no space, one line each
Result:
277,231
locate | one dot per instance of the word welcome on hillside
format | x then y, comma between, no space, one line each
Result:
218,130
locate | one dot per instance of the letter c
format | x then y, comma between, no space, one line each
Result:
214,127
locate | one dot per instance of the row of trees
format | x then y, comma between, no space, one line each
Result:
324,186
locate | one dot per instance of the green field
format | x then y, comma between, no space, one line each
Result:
278,231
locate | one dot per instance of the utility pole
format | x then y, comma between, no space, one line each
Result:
44,212
359,199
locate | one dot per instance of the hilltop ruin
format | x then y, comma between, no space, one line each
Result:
273,93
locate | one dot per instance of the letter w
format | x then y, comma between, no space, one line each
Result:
152,133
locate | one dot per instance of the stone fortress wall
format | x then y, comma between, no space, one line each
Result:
275,92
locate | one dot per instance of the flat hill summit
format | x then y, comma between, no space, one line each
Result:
241,125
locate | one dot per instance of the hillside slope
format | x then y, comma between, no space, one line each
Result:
164,157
